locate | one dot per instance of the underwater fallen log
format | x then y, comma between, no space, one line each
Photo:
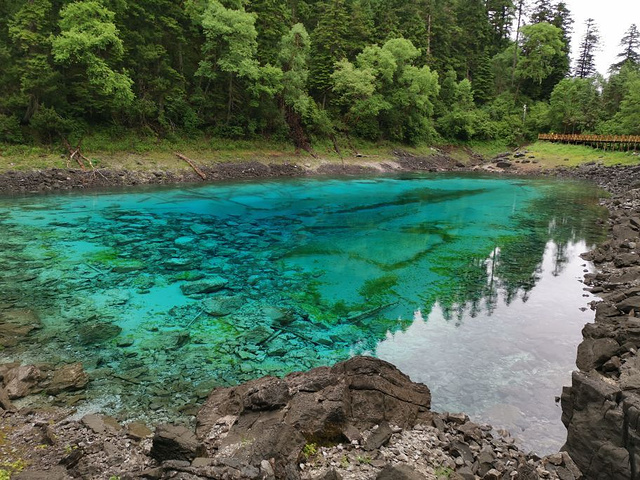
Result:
192,165
369,313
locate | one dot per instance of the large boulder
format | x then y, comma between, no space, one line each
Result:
274,418
68,378
22,380
593,353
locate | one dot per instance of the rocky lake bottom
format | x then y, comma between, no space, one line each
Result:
466,283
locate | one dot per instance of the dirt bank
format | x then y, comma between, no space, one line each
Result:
47,180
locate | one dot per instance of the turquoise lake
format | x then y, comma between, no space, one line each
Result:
469,284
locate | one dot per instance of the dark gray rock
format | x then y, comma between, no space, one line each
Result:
100,423
399,472
527,472
629,304
174,442
379,437
626,260
593,353
595,424
331,474
5,401
55,473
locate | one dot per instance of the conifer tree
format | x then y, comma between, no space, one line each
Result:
29,31
501,16
542,12
273,19
329,44
585,64
631,49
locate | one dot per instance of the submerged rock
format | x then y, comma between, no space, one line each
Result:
98,332
222,305
210,285
15,325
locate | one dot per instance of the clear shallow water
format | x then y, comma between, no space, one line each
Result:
468,284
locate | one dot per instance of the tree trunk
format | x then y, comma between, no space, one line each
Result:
298,135
515,50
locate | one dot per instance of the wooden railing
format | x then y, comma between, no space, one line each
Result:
608,142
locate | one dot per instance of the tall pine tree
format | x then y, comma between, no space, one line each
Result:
631,49
585,63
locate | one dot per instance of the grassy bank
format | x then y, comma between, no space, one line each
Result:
553,155
138,153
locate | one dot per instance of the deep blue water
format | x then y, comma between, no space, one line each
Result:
468,284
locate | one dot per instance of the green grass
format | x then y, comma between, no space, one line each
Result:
553,155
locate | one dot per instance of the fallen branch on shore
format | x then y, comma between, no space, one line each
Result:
191,164
76,153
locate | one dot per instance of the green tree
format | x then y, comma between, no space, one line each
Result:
162,50
627,117
293,59
385,92
541,45
29,31
542,12
229,52
329,44
471,36
501,17
574,106
631,49
89,39
585,63
273,19
616,88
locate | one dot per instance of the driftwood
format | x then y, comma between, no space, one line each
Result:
195,318
192,165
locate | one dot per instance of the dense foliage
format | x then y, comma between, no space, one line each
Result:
402,70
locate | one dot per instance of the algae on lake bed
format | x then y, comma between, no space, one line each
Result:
164,294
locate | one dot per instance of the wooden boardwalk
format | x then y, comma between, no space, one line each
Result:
606,142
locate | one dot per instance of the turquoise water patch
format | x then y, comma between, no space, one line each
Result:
164,294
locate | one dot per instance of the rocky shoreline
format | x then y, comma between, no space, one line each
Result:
601,408
361,419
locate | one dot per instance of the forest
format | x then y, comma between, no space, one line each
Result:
406,71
